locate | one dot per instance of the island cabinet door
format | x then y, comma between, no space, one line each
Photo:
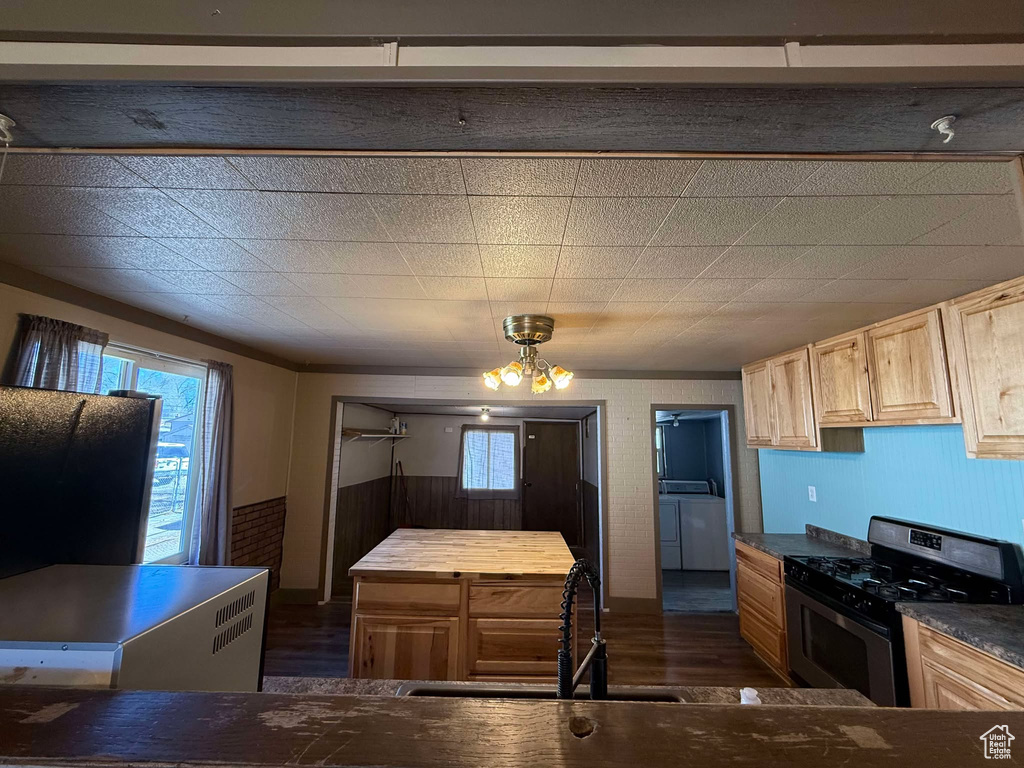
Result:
986,335
512,648
909,374
405,648
840,370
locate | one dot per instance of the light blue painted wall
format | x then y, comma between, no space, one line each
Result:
915,473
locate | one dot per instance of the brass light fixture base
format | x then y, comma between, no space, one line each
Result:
528,330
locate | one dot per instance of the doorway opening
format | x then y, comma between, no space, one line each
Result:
694,502
461,466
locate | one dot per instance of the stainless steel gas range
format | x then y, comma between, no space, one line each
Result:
843,627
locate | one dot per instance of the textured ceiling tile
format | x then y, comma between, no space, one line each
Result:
463,309
502,308
919,291
553,177
381,175
56,211
704,290
994,263
106,280
583,290
443,259
68,171
197,282
597,261
150,212
285,215
317,284
839,177
753,261
613,177
678,262
464,288
832,260
185,172
575,314
646,290
808,220
844,291
310,312
899,220
83,251
778,290
390,287
615,220
518,289
519,220
470,330
749,178
907,261
217,255
993,178
519,260
707,221
425,218
994,221
262,283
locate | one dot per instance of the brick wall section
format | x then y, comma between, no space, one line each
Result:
257,533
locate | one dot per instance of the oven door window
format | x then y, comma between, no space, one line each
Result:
842,655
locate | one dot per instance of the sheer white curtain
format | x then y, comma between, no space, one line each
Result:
54,354
211,532
488,464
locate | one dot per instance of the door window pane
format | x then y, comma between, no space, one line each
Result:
175,473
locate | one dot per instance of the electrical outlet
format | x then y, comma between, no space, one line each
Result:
447,429
812,493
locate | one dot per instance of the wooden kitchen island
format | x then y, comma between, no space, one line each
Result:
436,604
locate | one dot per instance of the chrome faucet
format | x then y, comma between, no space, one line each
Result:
597,658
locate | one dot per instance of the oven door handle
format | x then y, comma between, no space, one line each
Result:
837,607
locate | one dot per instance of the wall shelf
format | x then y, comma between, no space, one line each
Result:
376,435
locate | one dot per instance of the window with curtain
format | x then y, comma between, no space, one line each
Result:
54,354
489,468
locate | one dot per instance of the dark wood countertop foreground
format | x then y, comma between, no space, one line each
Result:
47,726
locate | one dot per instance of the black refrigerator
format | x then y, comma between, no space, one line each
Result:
75,477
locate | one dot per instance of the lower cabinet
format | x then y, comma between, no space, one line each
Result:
405,647
945,673
762,609
457,629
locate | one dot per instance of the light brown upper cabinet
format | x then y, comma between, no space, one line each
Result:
757,389
986,337
908,372
839,369
792,407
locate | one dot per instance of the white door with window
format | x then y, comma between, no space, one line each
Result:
173,500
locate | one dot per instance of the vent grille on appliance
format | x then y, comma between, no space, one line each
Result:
232,633
235,607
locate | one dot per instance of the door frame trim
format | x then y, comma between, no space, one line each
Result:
731,410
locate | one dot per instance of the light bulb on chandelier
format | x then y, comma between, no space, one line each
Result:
529,332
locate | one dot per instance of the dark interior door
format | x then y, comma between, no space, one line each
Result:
551,479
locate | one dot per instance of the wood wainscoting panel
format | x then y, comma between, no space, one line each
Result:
430,502
361,524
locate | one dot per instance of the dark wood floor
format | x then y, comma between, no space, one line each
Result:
685,649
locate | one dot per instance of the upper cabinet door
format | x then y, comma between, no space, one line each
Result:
986,337
841,389
792,405
908,370
757,391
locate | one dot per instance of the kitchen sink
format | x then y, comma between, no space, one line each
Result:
521,691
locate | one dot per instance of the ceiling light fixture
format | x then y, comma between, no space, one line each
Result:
485,414
528,332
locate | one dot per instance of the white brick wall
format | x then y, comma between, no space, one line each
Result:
630,513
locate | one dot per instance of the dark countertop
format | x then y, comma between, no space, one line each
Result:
995,629
65,726
341,686
817,541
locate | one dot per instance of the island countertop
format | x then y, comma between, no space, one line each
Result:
445,554
64,726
